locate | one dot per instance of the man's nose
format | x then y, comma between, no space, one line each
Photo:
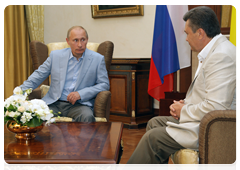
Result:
79,44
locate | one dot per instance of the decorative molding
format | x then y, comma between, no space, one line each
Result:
133,75
133,113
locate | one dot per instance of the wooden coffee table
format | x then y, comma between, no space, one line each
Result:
67,143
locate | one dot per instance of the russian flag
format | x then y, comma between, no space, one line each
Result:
170,50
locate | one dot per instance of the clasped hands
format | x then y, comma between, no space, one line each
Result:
175,108
73,97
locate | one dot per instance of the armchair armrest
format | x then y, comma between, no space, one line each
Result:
39,92
102,104
217,137
36,94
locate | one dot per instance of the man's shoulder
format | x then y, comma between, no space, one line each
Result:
60,52
93,53
226,47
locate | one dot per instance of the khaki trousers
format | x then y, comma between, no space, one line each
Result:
156,145
78,112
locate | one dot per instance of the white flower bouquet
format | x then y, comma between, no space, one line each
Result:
26,113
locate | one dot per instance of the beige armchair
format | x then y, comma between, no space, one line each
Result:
217,141
39,53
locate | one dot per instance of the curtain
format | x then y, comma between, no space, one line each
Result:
35,21
17,60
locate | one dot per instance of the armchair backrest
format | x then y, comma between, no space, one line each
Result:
62,45
39,52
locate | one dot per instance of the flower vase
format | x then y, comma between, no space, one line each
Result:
23,132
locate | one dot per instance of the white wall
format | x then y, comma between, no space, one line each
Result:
132,36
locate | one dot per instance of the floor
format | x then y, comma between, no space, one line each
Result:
131,137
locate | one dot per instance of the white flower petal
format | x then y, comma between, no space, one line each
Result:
17,91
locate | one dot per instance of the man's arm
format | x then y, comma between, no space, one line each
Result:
38,76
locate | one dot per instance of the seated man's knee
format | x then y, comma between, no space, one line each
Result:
154,137
88,118
150,123
82,114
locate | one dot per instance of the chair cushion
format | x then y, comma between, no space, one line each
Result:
56,46
61,45
101,119
68,119
92,46
63,119
185,156
44,90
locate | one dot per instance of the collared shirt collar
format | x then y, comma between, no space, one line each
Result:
71,56
203,54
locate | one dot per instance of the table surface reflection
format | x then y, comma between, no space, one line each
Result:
69,143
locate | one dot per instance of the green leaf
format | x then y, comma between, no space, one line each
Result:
17,119
12,108
7,118
34,122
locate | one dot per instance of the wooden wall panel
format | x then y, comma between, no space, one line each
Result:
144,101
118,88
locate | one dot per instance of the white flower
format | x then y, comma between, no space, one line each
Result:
26,117
23,119
26,110
44,114
21,109
40,103
50,121
17,91
26,104
6,114
8,101
14,100
28,91
48,115
13,114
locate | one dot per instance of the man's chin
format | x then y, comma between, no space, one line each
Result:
77,55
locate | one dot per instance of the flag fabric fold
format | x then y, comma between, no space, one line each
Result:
170,51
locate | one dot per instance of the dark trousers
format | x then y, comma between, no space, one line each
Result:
78,112
156,145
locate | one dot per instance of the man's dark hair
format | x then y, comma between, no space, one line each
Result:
205,18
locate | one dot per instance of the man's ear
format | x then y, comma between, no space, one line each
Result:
201,33
67,41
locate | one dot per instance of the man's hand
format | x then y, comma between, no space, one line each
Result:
175,108
73,97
